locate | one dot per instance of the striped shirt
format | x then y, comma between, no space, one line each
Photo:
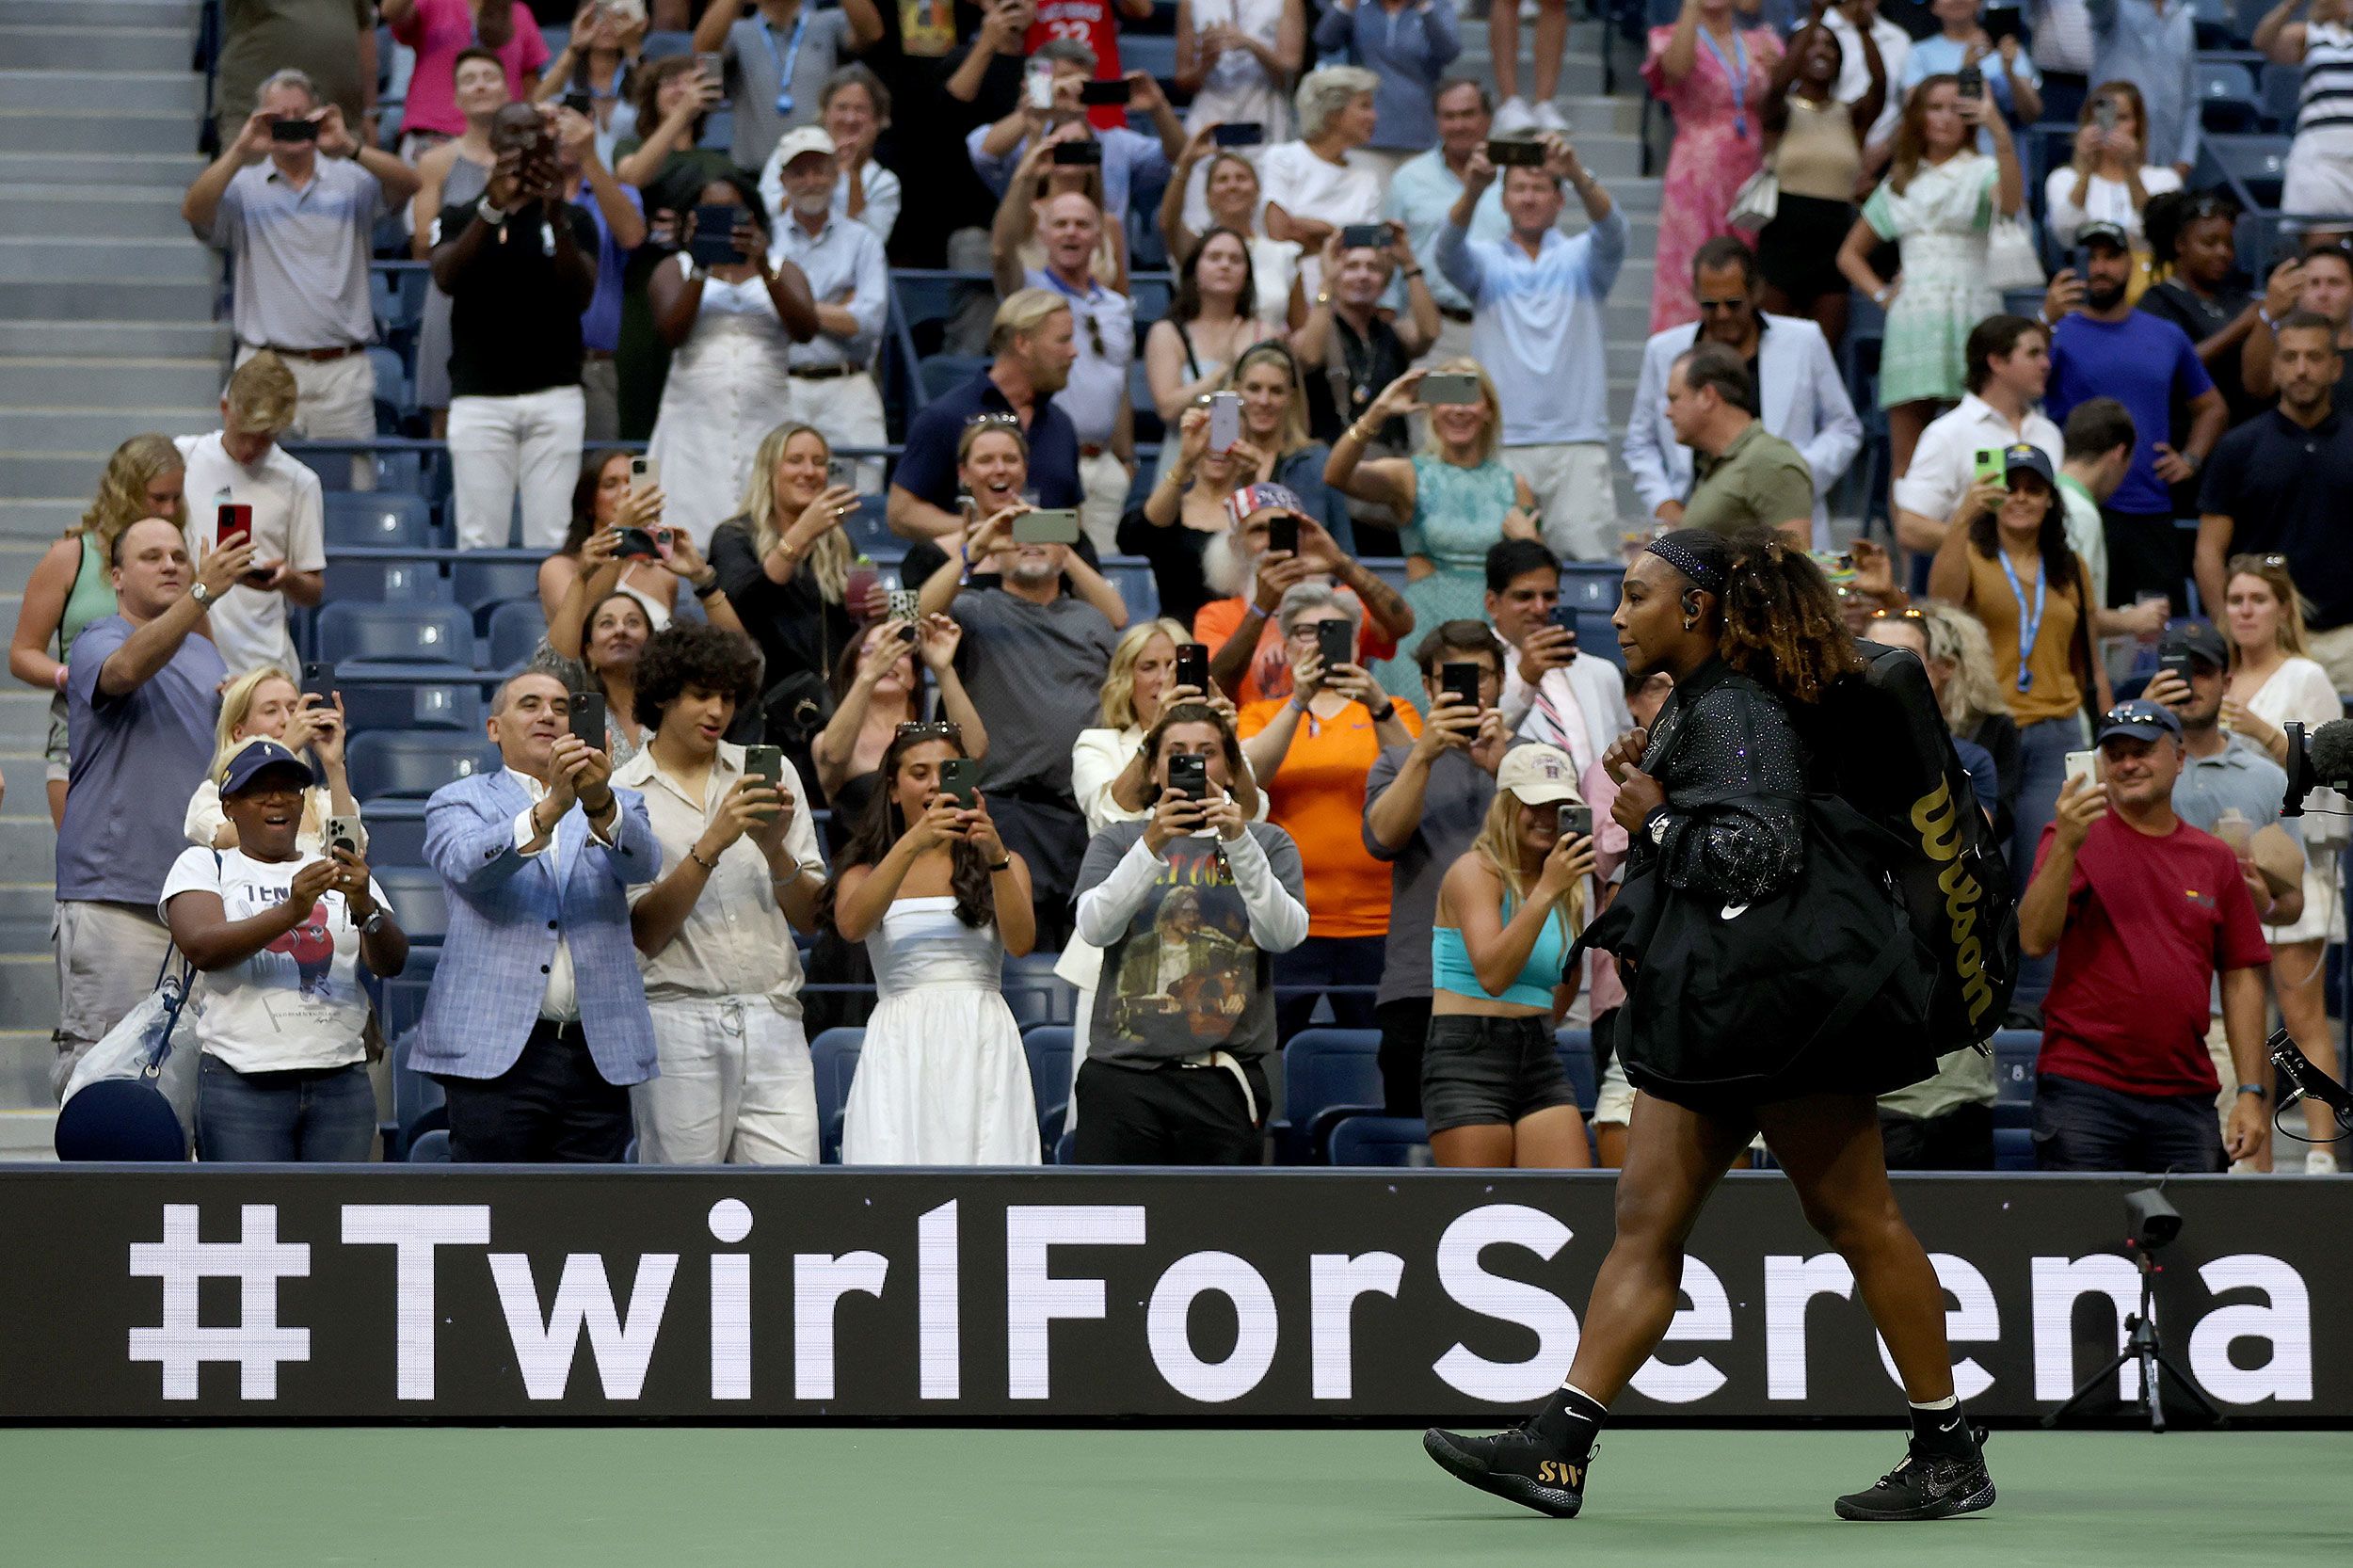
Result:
2326,100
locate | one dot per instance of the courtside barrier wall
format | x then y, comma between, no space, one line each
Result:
399,1294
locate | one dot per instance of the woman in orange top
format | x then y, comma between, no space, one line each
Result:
1310,752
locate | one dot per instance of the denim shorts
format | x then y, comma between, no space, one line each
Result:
1478,1071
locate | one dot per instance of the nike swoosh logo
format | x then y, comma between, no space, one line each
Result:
1953,1424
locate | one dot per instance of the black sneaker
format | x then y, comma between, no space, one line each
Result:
1927,1486
1518,1465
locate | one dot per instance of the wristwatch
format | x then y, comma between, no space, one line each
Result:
199,593
369,926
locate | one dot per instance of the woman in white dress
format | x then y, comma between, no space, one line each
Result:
2320,159
733,326
938,900
2275,682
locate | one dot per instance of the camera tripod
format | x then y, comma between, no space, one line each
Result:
2142,1345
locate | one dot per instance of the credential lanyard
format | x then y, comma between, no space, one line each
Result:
2029,628
1739,78
788,61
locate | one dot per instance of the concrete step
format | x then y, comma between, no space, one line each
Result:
175,260
115,302
28,999
32,521
117,340
128,125
67,480
1581,71
178,92
111,13
157,167
74,47
107,383
68,429
17,559
97,212
27,1136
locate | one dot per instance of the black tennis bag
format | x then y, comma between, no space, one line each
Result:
1892,759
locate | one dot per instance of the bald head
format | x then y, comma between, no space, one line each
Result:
1072,226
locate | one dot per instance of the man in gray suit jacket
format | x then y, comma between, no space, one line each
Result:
537,1024
1801,397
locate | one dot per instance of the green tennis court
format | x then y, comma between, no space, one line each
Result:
247,1499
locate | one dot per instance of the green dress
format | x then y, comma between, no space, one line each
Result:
1941,220
1458,516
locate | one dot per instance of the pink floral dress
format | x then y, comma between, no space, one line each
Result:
1716,145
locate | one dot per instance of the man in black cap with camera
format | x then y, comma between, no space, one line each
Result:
2105,348
2144,911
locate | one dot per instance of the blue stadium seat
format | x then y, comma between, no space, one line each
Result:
719,128
395,838
1591,585
2013,1149
834,1054
395,401
2255,166
1380,1140
1132,576
377,518
1048,1048
411,705
481,578
430,1147
401,473
396,633
1148,52
516,629
662,45
1577,1060
2014,1053
1034,992
396,292
413,762
2282,91
1595,634
419,900
374,580
2226,96
945,373
867,529
1327,1074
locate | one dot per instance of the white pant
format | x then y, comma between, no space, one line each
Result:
528,443
736,1086
847,411
2333,648
1103,484
1574,492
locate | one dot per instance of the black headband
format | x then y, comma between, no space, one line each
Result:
1704,574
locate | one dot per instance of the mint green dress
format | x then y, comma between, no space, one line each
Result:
1458,516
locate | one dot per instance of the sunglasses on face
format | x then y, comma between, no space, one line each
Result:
1726,307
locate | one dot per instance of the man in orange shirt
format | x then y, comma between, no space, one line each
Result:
1249,662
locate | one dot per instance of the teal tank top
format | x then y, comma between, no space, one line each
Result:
1450,965
92,598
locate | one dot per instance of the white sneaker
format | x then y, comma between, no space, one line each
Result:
1549,118
2319,1163
1513,118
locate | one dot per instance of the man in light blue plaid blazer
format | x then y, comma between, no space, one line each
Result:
537,1024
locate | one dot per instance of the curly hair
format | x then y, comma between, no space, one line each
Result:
879,827
1783,628
697,655
121,498
1189,713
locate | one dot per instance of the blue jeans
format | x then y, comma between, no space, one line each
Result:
2043,749
312,1114
2086,1127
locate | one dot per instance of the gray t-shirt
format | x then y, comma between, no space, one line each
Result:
1185,978
1035,673
132,754
757,57
1453,805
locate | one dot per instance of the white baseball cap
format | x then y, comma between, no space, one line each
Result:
800,141
1539,775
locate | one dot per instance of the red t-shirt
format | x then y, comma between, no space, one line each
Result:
1087,21
2149,922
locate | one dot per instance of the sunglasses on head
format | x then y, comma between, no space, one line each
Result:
1011,421
1907,613
931,730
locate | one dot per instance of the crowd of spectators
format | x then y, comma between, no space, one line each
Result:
1308,785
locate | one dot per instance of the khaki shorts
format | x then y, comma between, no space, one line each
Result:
108,959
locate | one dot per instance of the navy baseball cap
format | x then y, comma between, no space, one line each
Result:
258,756
2199,641
2140,719
2029,456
